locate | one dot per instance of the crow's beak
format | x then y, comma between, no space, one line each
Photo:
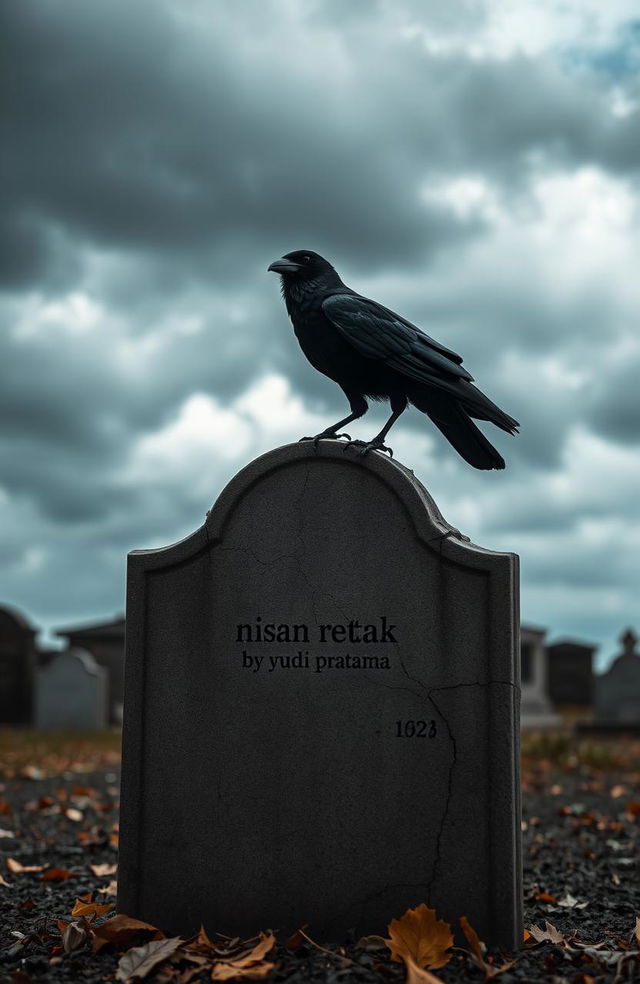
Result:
283,266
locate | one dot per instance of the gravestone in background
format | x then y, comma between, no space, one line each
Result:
71,693
321,711
570,674
535,709
617,692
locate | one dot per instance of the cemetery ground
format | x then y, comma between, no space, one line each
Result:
59,839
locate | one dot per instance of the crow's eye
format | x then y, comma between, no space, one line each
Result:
306,258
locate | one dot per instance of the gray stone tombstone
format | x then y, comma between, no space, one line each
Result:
71,693
617,692
321,710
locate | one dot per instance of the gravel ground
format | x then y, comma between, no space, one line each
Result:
581,830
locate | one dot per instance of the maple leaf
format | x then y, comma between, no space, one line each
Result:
420,937
477,952
141,960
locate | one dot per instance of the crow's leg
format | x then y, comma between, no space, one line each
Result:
398,405
359,407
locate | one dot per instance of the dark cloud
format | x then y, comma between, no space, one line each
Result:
614,409
159,156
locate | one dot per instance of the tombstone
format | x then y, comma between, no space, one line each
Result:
321,711
71,693
617,692
105,642
535,710
17,665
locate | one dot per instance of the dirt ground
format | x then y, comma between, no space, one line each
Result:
59,818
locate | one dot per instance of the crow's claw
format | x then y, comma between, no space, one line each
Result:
366,446
324,436
376,446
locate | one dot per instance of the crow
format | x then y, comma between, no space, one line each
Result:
371,352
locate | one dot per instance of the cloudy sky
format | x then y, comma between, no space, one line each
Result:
474,165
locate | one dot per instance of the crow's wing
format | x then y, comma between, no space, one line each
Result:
379,334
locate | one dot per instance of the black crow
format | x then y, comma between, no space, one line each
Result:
372,352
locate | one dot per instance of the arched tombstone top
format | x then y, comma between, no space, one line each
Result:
77,658
13,621
428,522
321,685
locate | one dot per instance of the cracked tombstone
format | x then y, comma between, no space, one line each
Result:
321,711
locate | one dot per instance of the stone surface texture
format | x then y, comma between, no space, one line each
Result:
335,795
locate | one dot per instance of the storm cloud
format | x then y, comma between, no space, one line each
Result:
475,168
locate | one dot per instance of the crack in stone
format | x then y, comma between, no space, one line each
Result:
430,692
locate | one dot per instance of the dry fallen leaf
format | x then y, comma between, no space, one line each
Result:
637,930
110,889
477,952
73,936
569,902
546,897
124,931
296,939
5,883
103,870
227,971
141,960
418,975
547,935
57,875
16,868
250,965
420,937
89,909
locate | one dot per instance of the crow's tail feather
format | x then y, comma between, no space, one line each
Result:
478,405
452,420
470,442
